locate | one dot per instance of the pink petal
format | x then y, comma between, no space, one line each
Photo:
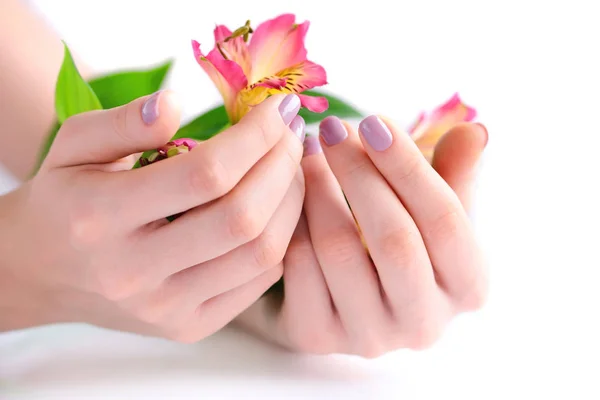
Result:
429,129
227,75
190,143
304,75
274,82
235,49
277,44
314,104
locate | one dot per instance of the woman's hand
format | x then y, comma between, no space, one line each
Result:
423,265
86,240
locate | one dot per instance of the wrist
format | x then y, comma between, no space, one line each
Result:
23,301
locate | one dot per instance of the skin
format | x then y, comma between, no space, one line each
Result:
86,240
426,266
105,253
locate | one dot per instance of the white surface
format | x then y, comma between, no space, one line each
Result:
530,68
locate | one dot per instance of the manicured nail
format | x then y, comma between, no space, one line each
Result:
150,108
297,126
487,136
332,131
375,132
312,145
289,108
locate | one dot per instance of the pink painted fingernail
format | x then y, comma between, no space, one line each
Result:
312,145
332,131
289,107
375,132
150,109
297,126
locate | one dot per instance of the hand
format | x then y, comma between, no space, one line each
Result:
87,239
422,267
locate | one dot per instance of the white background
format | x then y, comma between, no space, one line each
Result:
532,71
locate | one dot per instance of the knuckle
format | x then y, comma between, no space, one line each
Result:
210,178
357,167
475,296
398,246
245,223
119,123
446,226
370,347
86,224
423,336
409,169
341,246
269,250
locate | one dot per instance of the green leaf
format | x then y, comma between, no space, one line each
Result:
337,107
73,94
205,126
120,88
46,146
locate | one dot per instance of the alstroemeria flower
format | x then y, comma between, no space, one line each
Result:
273,61
428,129
171,149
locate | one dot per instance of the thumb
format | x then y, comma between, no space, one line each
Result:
456,157
104,136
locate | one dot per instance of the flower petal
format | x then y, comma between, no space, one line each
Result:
428,129
235,49
304,75
227,76
277,44
313,103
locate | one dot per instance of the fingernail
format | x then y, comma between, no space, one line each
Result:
289,108
332,131
297,126
312,145
150,109
375,132
487,136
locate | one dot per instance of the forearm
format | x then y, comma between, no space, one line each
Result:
30,58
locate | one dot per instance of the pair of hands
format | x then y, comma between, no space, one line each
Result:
89,241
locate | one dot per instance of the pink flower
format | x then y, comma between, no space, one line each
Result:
427,130
273,61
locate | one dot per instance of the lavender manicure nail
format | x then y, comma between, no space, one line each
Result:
312,145
332,131
297,126
376,133
289,108
150,109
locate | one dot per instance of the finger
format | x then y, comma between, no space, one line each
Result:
239,217
212,168
393,240
432,204
348,271
199,283
305,321
217,312
456,157
104,136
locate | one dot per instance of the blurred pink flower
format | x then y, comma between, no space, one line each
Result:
427,130
247,70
